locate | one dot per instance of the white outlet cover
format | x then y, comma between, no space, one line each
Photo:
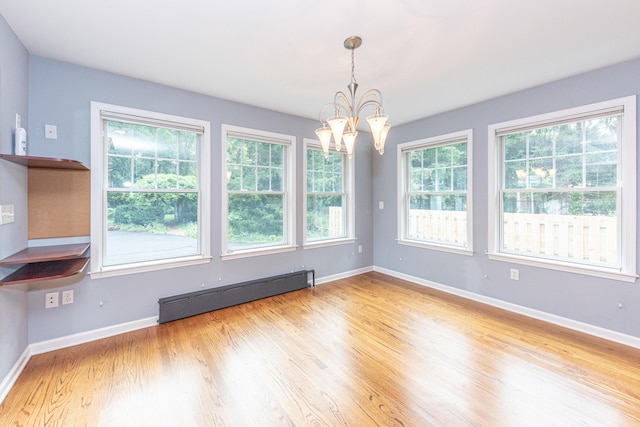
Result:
50,132
7,215
51,299
67,297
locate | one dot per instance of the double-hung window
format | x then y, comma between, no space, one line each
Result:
258,213
434,190
328,203
563,190
150,183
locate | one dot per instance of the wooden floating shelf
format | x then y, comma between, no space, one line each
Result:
47,270
44,162
46,263
46,253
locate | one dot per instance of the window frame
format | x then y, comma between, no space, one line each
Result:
289,190
403,151
99,171
627,168
349,204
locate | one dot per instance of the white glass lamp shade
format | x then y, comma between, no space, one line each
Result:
350,142
376,123
324,135
337,124
383,138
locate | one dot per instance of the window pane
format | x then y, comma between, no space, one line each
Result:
326,212
119,175
168,166
444,179
144,173
460,179
234,177
576,226
601,170
187,146
150,226
167,143
436,208
515,174
325,216
255,220
249,178
438,218
188,174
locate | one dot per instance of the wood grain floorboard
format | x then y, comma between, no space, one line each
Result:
370,350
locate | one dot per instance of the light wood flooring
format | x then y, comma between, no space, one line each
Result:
365,351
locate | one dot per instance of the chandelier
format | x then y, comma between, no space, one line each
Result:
343,125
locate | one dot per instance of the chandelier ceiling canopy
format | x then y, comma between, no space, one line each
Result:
346,113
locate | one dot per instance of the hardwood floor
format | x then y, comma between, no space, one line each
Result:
364,351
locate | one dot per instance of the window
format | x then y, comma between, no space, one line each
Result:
258,192
150,180
564,193
328,196
434,190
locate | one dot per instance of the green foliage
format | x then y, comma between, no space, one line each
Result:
256,218
154,210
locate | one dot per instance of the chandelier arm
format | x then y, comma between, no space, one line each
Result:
370,97
347,105
329,104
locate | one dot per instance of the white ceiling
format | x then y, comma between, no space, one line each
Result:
425,56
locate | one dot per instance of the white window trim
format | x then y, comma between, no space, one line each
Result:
290,193
348,181
403,180
627,163
98,201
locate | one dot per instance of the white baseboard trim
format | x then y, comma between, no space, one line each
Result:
14,373
343,275
575,325
88,336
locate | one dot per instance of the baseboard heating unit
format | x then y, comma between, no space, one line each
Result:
193,303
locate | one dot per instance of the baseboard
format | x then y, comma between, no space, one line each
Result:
343,275
88,336
14,373
564,322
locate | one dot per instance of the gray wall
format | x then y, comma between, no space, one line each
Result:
582,298
14,62
60,94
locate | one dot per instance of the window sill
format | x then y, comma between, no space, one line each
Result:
443,248
324,243
122,270
605,273
257,252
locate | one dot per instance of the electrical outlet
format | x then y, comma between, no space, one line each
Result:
359,249
67,297
515,274
7,215
50,131
51,299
